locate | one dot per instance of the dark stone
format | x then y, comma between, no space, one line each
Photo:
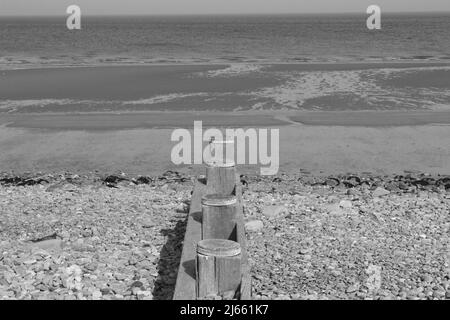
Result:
143,180
137,284
332,182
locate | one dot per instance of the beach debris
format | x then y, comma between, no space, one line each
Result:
142,180
173,176
49,237
23,181
112,180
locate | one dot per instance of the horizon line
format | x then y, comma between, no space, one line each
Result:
224,14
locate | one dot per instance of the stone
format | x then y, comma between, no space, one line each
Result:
346,204
439,294
106,291
145,293
137,284
228,295
335,209
96,295
380,192
332,182
427,278
274,211
52,245
254,226
353,288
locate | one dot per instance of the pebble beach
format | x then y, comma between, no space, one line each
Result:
71,236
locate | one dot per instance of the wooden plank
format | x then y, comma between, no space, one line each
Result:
185,285
246,290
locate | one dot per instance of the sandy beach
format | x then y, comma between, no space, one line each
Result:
317,148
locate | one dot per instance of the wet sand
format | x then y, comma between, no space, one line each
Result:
343,140
326,87
158,120
318,149
149,120
134,82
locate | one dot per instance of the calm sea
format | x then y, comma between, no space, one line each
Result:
31,42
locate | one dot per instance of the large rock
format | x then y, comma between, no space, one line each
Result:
274,211
346,204
54,245
380,192
254,226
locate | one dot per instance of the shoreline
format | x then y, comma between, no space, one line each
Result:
114,121
395,62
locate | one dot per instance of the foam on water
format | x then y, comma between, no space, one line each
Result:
368,89
164,98
233,70
363,85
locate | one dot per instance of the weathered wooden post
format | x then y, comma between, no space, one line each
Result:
221,177
219,217
218,268
220,169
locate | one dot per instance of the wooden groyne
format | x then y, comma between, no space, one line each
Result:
214,261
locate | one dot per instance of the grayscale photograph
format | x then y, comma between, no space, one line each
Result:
247,151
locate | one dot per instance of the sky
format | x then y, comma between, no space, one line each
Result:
157,7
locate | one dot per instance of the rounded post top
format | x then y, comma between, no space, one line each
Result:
217,200
218,247
220,164
229,141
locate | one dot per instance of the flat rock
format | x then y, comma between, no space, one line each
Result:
353,288
274,211
254,226
346,204
49,245
380,192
